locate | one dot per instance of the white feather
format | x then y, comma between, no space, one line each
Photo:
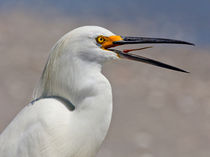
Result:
47,127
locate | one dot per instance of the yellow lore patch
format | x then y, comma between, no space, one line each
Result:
107,42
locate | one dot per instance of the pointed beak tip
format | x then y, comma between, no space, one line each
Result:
187,72
188,43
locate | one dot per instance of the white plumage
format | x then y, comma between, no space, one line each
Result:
72,106
47,127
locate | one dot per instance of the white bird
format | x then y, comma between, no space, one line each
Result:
72,107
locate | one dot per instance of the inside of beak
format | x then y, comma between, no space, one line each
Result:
142,48
114,41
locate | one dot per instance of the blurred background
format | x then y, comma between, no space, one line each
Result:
157,112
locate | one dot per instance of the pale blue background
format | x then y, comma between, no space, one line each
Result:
191,16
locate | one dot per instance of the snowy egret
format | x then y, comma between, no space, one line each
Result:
72,107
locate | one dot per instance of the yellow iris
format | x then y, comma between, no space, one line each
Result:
100,39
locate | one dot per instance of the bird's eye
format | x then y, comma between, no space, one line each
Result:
100,39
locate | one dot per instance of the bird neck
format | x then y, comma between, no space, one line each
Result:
71,78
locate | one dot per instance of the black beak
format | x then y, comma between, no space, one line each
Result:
135,57
145,40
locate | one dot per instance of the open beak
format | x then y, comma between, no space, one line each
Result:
118,40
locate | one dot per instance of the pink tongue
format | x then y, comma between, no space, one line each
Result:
129,50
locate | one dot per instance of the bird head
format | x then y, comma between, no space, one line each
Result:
87,48
95,43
